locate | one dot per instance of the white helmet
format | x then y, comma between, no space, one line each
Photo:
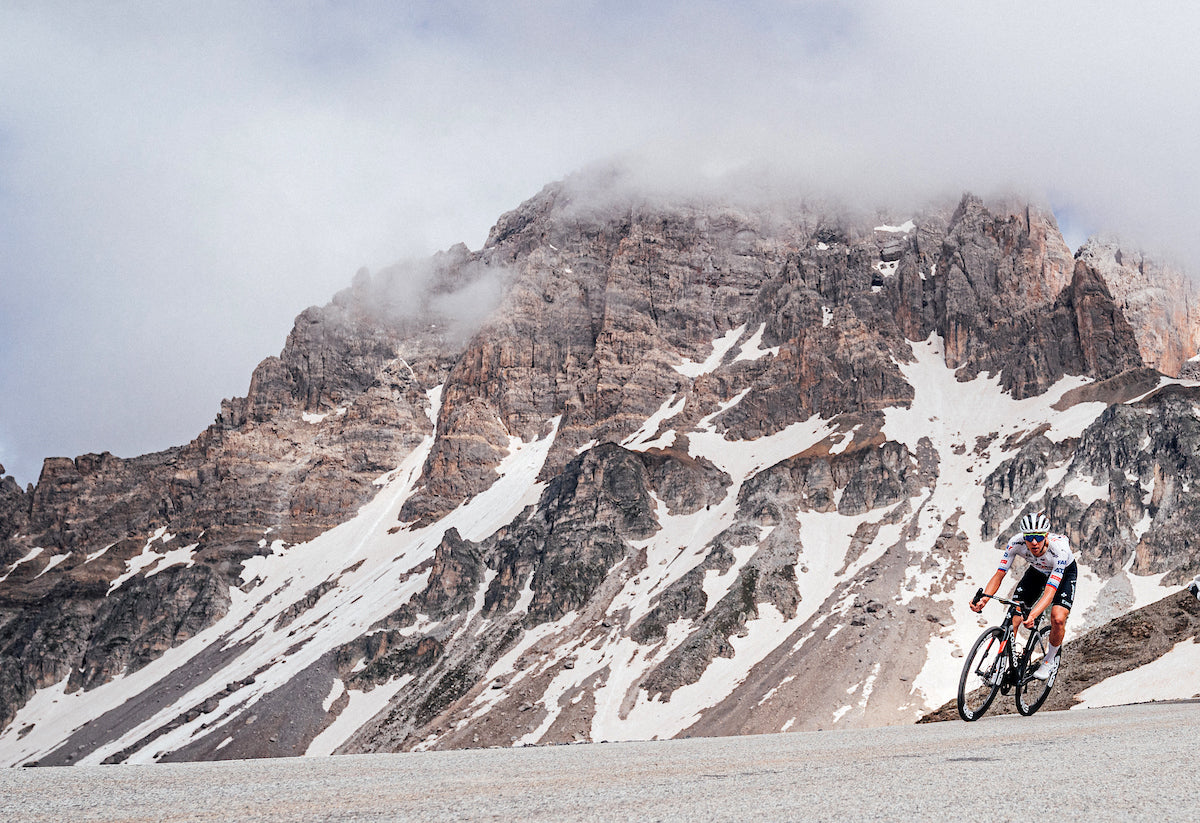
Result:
1036,523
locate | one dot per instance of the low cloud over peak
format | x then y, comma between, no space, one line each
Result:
175,185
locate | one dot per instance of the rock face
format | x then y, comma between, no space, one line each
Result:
641,466
1159,301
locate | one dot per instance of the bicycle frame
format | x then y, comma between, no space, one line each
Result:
1016,673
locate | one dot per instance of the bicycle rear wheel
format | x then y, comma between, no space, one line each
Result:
976,689
1031,692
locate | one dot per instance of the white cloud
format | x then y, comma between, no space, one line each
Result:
178,181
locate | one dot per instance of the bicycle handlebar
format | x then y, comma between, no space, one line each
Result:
1020,607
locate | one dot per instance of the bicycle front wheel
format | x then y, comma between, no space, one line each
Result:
1031,692
980,679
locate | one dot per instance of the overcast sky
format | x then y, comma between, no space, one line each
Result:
179,180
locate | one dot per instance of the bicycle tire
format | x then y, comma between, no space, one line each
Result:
975,694
1031,693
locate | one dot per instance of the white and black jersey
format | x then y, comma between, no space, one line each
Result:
1053,562
1056,569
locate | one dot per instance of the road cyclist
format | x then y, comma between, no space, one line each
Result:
995,664
1048,582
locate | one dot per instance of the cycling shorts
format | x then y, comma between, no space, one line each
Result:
1033,583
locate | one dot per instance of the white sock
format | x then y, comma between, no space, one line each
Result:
1051,653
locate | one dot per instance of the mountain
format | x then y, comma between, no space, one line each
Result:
642,466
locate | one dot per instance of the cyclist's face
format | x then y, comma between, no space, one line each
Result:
1036,543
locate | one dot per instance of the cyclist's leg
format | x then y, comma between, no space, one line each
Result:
1058,625
1060,608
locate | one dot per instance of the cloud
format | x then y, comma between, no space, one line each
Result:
178,181
448,291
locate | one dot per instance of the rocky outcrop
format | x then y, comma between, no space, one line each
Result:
1018,479
851,482
1159,301
14,516
603,304
1147,454
583,526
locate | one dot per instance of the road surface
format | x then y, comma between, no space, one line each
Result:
1130,762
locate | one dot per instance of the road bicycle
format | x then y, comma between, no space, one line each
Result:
994,666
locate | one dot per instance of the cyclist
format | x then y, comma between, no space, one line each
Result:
1049,582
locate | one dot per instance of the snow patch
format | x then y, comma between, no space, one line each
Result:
149,558
1142,526
435,403
741,458
949,411
516,488
361,708
184,556
771,693
314,417
1085,491
654,718
716,585
1174,676
54,561
525,597
751,350
339,688
1147,588
720,346
1162,381
95,554
641,440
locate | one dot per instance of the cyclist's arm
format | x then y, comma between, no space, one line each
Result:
991,588
1042,604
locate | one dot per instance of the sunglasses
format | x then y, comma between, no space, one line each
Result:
1035,539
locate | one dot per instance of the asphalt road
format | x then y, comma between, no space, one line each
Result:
1131,762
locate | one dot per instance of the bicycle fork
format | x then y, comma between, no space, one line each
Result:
1000,666
1003,663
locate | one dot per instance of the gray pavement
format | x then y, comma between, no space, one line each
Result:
1132,762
